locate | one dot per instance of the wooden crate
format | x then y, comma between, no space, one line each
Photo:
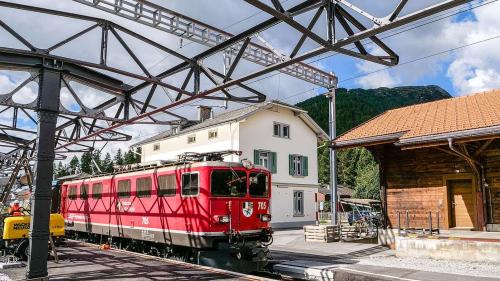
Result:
321,233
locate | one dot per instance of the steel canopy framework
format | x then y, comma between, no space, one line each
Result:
188,79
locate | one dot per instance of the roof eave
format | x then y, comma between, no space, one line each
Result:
438,139
369,141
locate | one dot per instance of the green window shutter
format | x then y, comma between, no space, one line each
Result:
305,169
290,165
256,157
273,159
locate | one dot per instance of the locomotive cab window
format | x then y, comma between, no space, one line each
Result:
97,190
84,191
258,185
167,185
190,184
143,187
72,192
229,183
124,188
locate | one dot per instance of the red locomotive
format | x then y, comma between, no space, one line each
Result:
201,208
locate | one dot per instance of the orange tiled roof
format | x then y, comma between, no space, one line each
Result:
460,117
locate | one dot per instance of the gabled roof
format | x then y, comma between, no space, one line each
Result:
464,117
237,115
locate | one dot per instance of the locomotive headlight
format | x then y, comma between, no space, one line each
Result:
265,217
223,219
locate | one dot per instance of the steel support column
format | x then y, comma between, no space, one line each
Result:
48,108
333,155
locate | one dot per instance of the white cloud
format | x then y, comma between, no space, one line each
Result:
470,69
477,68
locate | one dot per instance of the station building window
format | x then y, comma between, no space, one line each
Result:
298,165
281,130
298,203
266,158
167,185
212,134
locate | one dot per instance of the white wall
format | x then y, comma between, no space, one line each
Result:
227,139
256,132
282,205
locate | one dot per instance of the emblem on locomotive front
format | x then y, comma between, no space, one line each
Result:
247,209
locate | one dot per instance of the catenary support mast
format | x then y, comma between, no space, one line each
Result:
48,108
333,154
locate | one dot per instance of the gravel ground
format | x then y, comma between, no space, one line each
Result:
442,266
4,277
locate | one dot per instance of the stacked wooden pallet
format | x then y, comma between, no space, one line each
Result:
321,233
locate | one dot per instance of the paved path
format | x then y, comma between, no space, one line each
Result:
346,261
83,262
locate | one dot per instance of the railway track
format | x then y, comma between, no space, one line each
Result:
257,276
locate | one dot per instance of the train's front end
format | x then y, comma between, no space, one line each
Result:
239,209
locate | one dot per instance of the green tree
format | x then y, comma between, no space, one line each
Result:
367,180
61,170
348,165
107,164
119,157
129,157
86,162
74,165
96,156
138,155
324,163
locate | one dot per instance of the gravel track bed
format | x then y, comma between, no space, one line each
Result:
443,266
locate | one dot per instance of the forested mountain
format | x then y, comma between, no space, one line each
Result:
356,167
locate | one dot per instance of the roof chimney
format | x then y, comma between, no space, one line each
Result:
204,113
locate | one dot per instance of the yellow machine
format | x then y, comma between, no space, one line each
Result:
15,233
17,227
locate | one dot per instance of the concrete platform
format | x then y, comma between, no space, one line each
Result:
78,261
350,261
453,244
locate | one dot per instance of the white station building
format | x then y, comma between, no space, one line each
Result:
278,136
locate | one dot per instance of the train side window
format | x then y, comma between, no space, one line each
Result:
229,183
97,190
167,185
190,184
72,192
124,188
259,185
84,191
143,187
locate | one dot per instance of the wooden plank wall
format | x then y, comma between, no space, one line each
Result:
491,159
415,182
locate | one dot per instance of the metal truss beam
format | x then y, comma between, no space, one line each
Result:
188,28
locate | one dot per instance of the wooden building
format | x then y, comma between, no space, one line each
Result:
441,157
